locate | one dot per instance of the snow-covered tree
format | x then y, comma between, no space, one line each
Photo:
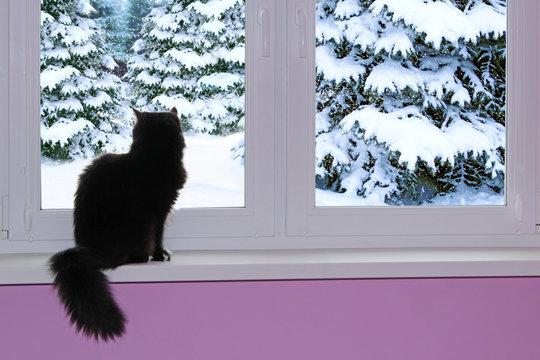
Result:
191,55
410,97
135,12
109,15
79,101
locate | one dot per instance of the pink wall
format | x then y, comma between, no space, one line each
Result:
418,319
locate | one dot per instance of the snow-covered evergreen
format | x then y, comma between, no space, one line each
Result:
109,16
134,13
191,55
79,101
410,97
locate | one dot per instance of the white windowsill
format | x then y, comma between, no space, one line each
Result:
299,264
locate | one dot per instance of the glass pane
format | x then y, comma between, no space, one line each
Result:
411,102
100,58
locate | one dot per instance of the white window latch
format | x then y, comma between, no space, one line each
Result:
264,21
28,217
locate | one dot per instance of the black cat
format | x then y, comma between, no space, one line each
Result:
121,205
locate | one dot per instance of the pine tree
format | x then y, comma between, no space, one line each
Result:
410,97
191,56
109,15
79,101
136,11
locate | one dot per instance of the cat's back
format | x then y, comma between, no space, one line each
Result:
105,179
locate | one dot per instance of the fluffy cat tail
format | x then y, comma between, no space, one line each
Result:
85,293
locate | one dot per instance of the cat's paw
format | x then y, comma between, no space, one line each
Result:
162,255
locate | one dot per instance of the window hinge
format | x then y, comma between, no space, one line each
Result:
4,234
538,228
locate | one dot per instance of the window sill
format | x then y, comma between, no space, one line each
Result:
299,264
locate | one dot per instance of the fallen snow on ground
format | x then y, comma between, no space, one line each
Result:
215,178
463,196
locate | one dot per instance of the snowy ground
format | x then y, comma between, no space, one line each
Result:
215,179
462,197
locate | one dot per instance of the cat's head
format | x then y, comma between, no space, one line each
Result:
157,125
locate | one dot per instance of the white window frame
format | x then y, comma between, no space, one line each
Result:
281,234
517,217
27,222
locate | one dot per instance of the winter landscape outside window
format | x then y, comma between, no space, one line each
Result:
99,58
411,102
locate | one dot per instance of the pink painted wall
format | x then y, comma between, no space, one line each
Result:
418,319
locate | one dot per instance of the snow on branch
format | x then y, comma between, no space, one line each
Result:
415,138
442,21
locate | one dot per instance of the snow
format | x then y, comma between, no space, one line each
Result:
183,106
159,34
394,42
464,196
488,20
215,178
337,69
173,82
328,30
148,79
189,58
138,62
442,21
137,46
53,76
84,50
380,38
71,104
328,143
63,130
412,135
212,8
236,55
392,76
57,53
214,27
109,62
97,101
221,80
46,18
69,88
169,21
361,31
76,35
85,7
347,8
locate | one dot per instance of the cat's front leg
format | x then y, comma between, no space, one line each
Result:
160,254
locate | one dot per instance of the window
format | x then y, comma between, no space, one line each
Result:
98,59
281,232
29,221
411,100
395,224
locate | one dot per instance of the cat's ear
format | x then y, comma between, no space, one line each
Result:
138,114
174,111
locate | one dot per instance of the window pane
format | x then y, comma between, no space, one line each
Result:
99,58
410,102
